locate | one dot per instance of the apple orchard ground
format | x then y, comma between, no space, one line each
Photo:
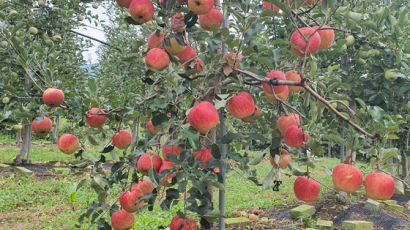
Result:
48,201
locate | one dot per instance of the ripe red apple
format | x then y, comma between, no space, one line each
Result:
292,75
42,127
95,117
197,64
148,161
157,59
177,23
171,149
347,178
282,91
166,165
203,155
270,6
327,37
146,186
285,121
122,220
256,113
299,44
53,97
123,3
178,223
187,54
141,11
122,139
68,143
128,199
203,117
284,159
241,105
172,46
200,6
213,17
295,137
233,58
306,189
379,186
150,127
156,40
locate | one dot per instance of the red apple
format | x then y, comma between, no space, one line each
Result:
200,6
156,40
166,165
203,155
213,17
187,54
122,139
293,76
122,220
178,223
157,59
285,121
172,46
177,23
241,105
282,91
295,137
284,159
270,6
299,44
347,178
53,97
95,117
171,149
203,117
233,58
379,186
123,3
197,64
256,113
128,199
141,11
327,37
150,127
306,189
311,2
68,143
148,161
42,127
146,186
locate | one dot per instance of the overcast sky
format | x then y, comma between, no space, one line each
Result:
90,55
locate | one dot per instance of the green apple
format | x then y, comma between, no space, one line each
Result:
33,30
5,100
56,38
130,122
95,5
361,61
106,127
41,2
363,54
12,13
48,42
101,99
390,75
80,18
349,40
373,53
4,44
13,74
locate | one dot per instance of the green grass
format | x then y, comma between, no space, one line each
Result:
45,203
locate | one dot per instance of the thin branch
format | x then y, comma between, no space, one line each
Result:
95,39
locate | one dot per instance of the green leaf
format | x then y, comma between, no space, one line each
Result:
193,137
268,180
296,171
213,215
258,158
92,139
398,187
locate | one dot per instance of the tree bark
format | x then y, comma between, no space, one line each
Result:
329,149
55,130
404,161
25,146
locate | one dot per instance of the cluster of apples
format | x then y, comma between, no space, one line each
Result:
124,218
161,46
348,178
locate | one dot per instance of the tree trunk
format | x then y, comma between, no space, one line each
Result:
329,149
25,146
19,139
404,161
55,130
